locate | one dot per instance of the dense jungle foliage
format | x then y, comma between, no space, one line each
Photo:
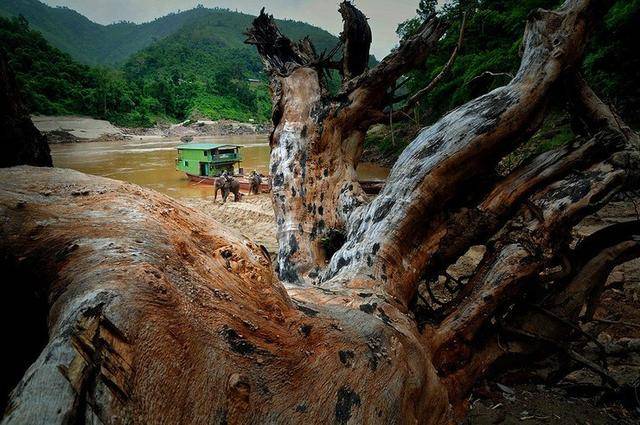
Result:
195,64
490,55
196,67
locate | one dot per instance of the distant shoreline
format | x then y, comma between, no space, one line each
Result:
81,129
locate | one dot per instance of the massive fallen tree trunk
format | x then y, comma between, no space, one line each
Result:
158,314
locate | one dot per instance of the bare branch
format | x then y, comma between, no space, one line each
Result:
413,100
595,112
618,322
604,374
392,229
586,286
491,74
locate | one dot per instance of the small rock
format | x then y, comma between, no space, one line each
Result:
632,344
581,377
604,338
505,389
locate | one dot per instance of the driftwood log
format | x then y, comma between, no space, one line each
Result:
155,313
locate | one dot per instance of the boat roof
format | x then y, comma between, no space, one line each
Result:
204,146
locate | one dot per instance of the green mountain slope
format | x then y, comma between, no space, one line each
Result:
185,65
88,41
208,67
96,44
55,84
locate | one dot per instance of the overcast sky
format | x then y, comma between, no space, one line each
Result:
384,15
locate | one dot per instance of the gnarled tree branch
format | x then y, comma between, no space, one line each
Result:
407,56
279,54
594,112
145,294
415,98
393,232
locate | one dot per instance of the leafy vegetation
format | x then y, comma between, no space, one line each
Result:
95,44
492,41
53,83
197,65
490,56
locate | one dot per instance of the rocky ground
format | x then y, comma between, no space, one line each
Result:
518,398
74,129
577,398
214,128
189,129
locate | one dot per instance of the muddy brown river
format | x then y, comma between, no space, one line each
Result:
149,162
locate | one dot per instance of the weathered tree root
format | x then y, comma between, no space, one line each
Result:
156,314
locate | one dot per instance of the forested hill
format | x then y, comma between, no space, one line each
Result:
207,65
87,41
185,65
95,44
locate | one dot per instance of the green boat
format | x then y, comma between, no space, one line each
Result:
206,160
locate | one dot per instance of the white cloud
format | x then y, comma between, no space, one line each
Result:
384,15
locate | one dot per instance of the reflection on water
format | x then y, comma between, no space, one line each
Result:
149,162
371,171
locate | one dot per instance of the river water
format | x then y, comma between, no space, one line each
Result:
149,162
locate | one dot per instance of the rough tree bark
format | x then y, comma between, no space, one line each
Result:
158,314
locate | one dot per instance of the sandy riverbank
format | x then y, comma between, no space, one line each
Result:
60,129
253,216
73,129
